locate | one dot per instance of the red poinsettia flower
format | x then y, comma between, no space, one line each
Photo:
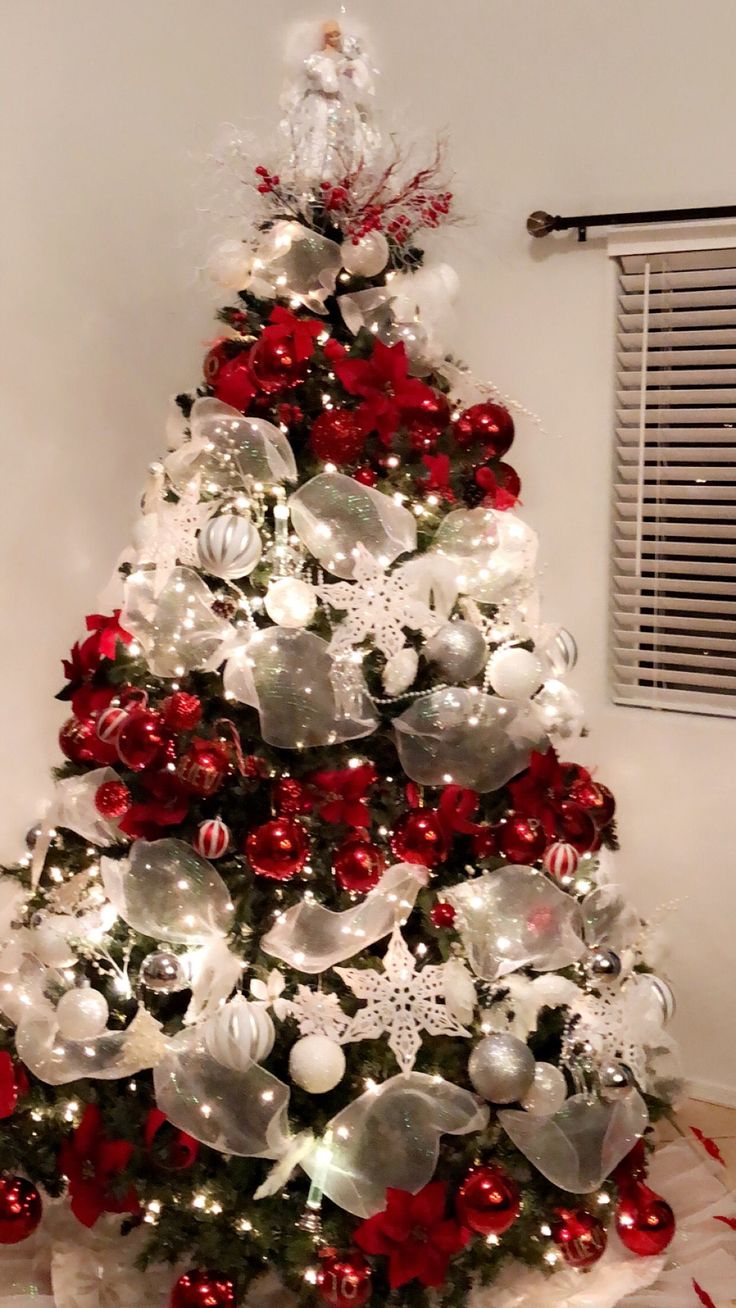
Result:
415,1236
13,1083
438,480
167,807
457,808
539,791
92,1165
343,792
496,495
175,1149
86,686
386,389
300,333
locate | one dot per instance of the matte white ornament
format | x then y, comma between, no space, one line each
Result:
559,709
291,602
240,1034
332,513
317,1064
82,1014
514,673
547,1092
229,265
229,546
367,257
49,941
400,671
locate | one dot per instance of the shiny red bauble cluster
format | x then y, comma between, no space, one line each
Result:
358,864
20,1209
275,366
203,767
338,436
277,849
79,742
645,1223
420,837
142,739
580,1237
488,425
203,1289
488,1201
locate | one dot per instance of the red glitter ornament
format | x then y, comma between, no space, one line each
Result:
290,796
580,1237
113,799
203,1289
274,364
20,1209
142,740
338,437
181,711
442,914
523,840
344,1280
576,826
425,418
644,1222
488,1201
278,849
420,837
365,475
203,768
212,839
358,864
489,425
596,800
78,740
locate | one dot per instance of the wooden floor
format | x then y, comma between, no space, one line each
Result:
715,1121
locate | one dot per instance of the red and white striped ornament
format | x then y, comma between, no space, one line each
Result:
561,861
213,838
111,722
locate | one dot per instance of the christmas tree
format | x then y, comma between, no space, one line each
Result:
315,981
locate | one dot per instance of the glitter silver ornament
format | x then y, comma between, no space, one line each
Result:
458,649
229,546
614,1078
163,972
602,965
501,1068
33,835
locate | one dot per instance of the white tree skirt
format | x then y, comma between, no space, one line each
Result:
65,1266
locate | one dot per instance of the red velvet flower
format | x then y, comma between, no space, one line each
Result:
300,333
539,791
438,480
86,687
13,1083
457,808
343,791
384,385
92,1165
415,1236
496,495
167,807
174,1148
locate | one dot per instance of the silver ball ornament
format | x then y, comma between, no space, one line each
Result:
163,973
561,652
614,1078
33,835
664,994
501,1068
458,649
548,1091
602,965
229,546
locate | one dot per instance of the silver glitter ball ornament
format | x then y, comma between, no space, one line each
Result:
501,1068
614,1078
602,965
458,649
163,973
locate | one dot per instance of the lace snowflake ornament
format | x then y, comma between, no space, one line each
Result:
377,604
318,1013
167,533
401,1001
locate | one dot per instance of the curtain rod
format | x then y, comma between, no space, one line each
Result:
541,224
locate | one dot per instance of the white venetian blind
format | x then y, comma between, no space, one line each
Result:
673,632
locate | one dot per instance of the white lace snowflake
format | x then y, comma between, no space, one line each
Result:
401,1001
318,1013
168,532
377,604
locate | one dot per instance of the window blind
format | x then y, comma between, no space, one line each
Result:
673,627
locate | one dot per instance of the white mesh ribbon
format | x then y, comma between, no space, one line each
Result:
165,890
466,738
304,696
293,260
237,1112
332,513
229,450
579,1146
390,1137
73,807
312,938
176,627
514,918
105,1057
495,552
626,1023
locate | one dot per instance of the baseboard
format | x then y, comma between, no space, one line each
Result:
712,1092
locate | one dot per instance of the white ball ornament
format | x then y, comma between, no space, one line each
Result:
290,602
548,1091
241,1034
366,257
230,265
317,1064
82,1014
229,546
50,940
559,709
514,673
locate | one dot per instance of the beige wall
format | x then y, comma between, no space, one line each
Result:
570,105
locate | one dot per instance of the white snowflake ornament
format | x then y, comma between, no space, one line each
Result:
318,1013
377,604
400,1001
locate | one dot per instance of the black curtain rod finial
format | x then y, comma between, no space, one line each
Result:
540,223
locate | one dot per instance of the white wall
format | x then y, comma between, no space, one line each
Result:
575,105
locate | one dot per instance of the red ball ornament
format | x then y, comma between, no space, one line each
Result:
214,360
488,1201
113,799
596,800
275,366
278,849
365,475
234,384
289,796
561,861
644,1222
338,437
420,837
523,840
78,740
442,914
203,1289
142,740
344,1280
110,723
580,1237
181,711
576,827
20,1209
358,864
212,839
426,419
203,768
490,425
508,479
487,843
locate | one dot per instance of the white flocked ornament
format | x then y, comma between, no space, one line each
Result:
290,602
229,546
316,1064
514,673
82,1014
241,1034
366,257
547,1092
229,265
